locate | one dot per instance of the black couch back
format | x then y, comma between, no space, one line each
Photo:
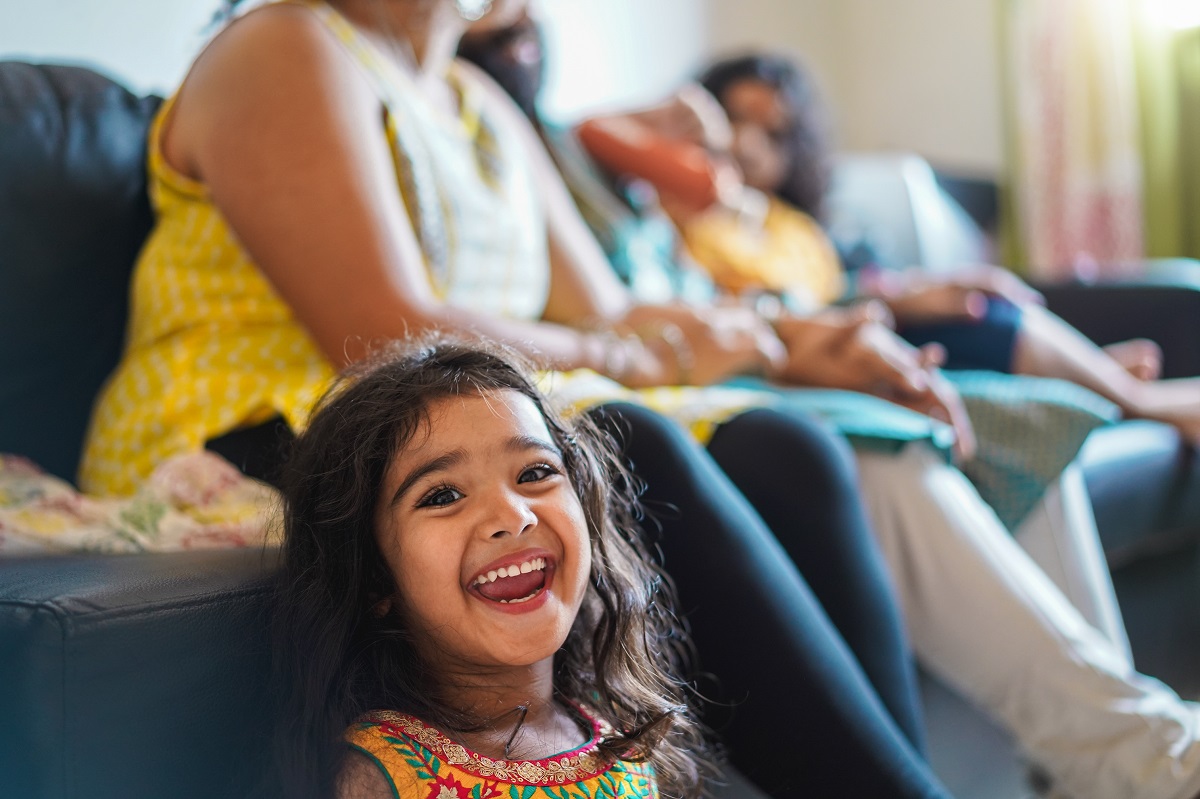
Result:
131,677
73,215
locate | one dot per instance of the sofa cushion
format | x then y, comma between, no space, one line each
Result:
1145,489
138,676
73,214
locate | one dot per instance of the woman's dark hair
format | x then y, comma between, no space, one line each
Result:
492,51
336,659
807,140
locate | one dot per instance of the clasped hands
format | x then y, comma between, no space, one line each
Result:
855,349
852,349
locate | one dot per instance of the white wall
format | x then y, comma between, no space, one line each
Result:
619,52
607,52
919,75
916,75
146,43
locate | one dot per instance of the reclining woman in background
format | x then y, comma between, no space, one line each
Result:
327,177
983,316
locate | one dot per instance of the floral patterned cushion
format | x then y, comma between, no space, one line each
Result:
192,501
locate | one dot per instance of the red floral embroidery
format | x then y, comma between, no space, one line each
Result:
390,729
448,788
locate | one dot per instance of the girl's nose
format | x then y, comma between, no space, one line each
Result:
510,514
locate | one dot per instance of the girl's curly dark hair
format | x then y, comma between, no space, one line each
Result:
336,659
807,139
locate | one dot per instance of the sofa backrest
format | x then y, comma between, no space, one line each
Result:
73,215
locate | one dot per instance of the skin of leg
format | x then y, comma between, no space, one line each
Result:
1047,346
988,622
807,721
802,480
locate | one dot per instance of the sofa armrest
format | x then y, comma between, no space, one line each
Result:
134,676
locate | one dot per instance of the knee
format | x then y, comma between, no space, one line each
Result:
787,447
635,428
652,444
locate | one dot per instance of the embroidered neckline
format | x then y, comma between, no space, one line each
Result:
575,765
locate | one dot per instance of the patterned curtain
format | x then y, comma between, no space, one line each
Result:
1077,178
1169,81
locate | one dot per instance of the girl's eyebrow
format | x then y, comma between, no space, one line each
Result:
438,464
521,443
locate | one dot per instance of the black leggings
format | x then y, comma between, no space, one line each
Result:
804,710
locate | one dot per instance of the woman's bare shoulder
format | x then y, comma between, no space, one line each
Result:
275,67
361,778
277,42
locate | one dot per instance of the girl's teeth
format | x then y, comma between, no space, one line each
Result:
537,564
519,601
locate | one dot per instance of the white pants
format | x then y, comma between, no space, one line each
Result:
986,619
1060,536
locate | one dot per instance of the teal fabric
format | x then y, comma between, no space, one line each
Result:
1029,429
868,422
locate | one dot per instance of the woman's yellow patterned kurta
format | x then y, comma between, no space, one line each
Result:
212,348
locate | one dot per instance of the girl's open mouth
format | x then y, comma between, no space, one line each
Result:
513,583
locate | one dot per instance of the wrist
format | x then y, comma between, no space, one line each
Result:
668,341
613,355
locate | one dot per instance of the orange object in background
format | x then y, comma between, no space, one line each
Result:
623,146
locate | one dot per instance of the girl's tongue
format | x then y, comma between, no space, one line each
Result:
506,589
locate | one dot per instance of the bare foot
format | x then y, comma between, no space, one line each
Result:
1141,357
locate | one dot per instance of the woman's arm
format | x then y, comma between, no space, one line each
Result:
282,127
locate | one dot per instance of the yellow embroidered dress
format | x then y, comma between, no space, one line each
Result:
211,347
419,762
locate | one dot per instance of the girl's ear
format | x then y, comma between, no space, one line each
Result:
382,608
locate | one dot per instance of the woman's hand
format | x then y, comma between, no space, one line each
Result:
916,297
855,350
700,346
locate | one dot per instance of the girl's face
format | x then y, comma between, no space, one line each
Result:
761,125
484,534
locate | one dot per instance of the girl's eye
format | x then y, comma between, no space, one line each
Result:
537,472
439,497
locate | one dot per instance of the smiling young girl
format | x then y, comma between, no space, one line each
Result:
465,599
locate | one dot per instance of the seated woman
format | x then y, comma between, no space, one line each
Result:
327,177
983,316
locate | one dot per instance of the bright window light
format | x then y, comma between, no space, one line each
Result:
1176,14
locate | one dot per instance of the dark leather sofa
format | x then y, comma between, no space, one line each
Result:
144,676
